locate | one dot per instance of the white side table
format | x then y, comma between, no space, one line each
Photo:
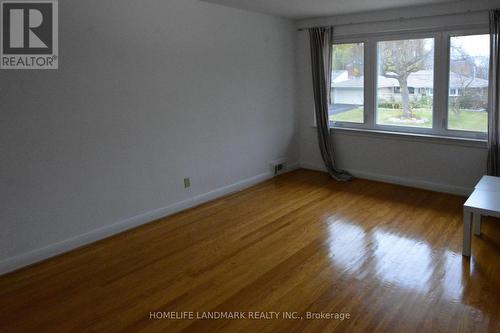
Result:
489,183
483,201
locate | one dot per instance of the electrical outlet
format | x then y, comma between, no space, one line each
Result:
187,182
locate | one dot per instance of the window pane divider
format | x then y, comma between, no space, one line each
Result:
370,83
441,74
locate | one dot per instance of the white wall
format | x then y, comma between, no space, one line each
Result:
147,93
434,164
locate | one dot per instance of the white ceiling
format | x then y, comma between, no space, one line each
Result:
301,9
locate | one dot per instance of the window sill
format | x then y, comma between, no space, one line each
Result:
414,137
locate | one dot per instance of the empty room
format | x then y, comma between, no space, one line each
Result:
249,166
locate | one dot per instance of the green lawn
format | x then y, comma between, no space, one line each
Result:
354,116
469,120
465,120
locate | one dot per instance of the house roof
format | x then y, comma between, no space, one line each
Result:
420,79
338,73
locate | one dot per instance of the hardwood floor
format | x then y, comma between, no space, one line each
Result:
389,256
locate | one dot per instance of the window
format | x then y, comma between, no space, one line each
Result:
404,65
468,83
415,82
347,83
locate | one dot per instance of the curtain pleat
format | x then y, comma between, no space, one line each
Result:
321,48
494,124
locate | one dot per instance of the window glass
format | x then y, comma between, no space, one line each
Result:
468,83
404,82
347,83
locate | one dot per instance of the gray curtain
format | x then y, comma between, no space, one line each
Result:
321,46
494,124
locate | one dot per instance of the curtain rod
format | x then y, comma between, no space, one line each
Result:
398,19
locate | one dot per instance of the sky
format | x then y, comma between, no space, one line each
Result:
477,45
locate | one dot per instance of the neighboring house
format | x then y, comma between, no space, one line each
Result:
350,91
339,76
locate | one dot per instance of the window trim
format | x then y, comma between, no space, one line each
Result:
440,89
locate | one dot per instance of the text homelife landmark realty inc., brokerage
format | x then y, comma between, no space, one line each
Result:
29,36
247,315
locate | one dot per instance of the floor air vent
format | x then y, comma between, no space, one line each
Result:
278,167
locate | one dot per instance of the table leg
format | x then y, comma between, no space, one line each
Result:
467,233
476,221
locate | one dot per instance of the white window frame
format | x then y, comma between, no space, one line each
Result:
439,92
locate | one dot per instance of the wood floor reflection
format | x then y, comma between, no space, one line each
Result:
390,256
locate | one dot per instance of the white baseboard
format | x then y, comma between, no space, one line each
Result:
315,167
292,166
31,257
422,184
